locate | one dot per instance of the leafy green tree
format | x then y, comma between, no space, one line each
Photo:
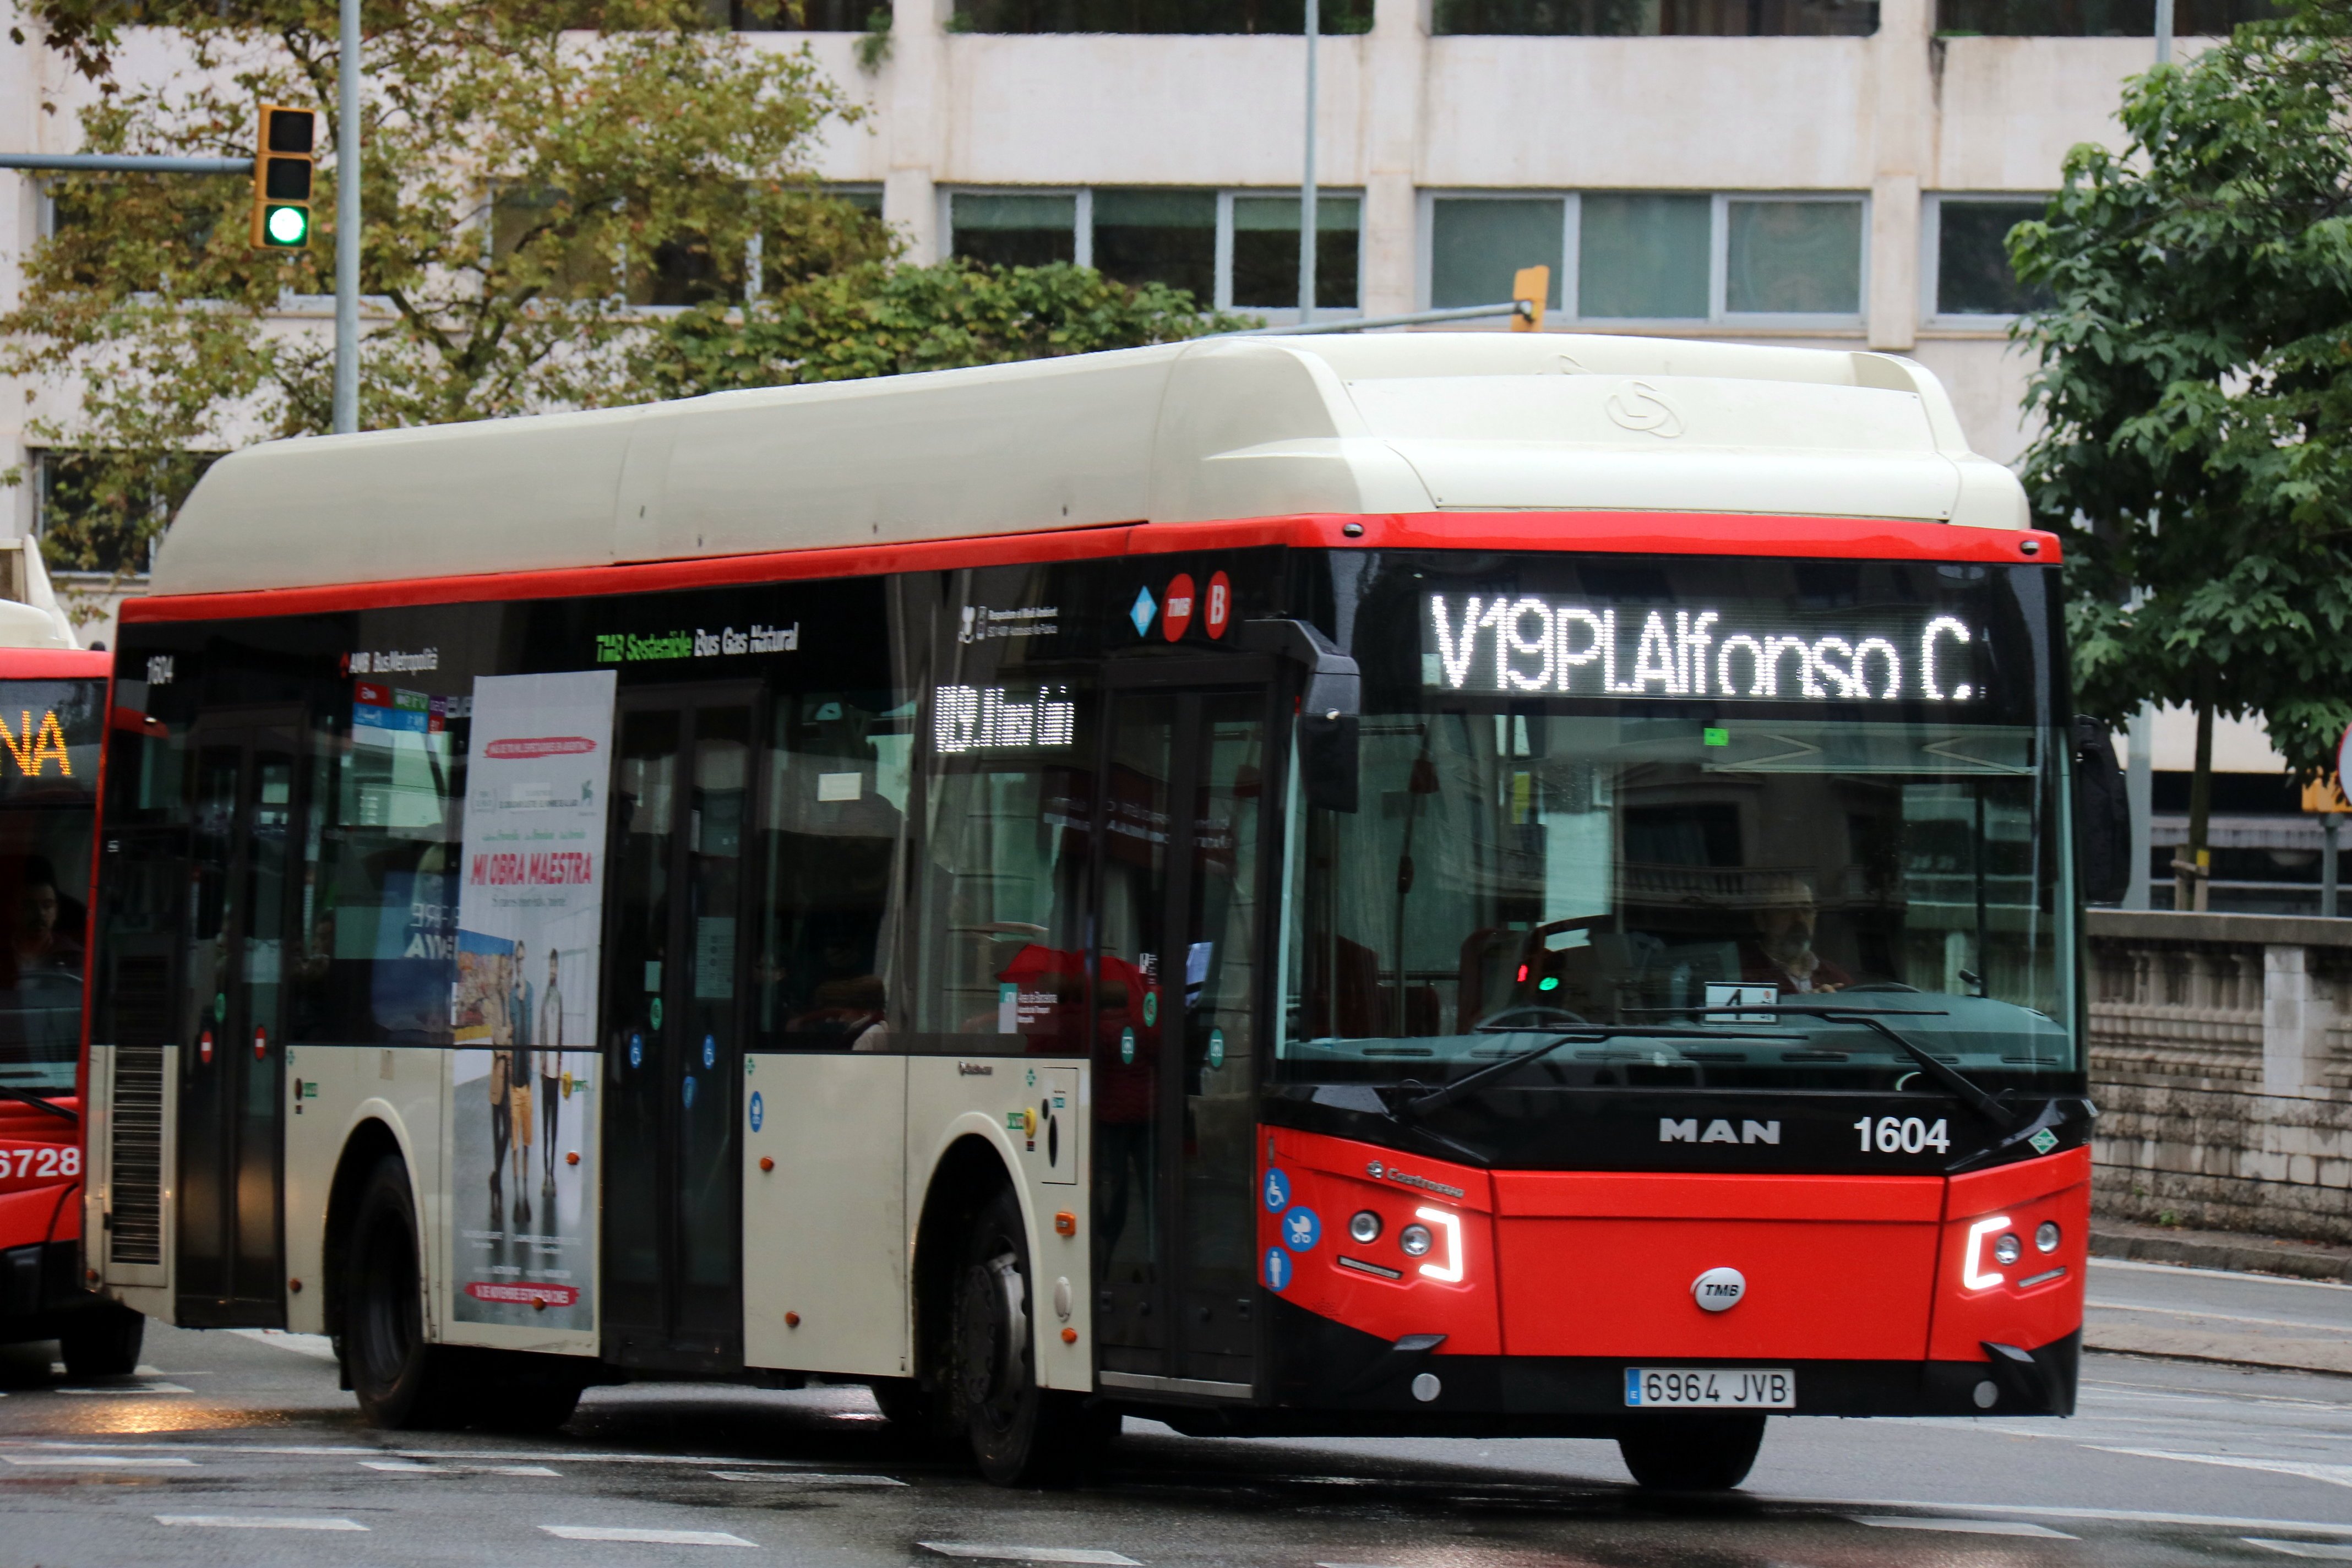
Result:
2194,392
881,320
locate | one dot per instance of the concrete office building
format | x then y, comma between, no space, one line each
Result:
1817,172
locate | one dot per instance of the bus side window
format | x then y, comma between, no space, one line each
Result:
1007,858
832,832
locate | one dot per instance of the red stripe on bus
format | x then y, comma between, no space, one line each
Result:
1609,532
55,664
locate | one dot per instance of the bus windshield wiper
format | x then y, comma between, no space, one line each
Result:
11,1092
1950,1078
1439,1099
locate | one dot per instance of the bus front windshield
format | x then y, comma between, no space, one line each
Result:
1731,823
50,732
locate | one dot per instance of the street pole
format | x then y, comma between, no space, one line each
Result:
2328,822
1307,181
2164,32
347,224
2139,796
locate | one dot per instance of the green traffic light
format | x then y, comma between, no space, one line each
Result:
285,225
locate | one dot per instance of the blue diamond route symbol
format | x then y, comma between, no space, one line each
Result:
1145,609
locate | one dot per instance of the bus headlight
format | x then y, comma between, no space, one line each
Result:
1366,1225
1447,1266
2007,1249
1415,1240
2045,1236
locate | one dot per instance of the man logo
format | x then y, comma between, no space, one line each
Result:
1717,1131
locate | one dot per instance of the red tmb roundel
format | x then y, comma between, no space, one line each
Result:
1178,615
1218,613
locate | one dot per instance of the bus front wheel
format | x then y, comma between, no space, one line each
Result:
402,1382
1695,1453
1021,1435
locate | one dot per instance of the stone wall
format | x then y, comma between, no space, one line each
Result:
2221,1063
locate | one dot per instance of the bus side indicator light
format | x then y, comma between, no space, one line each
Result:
791,1320
572,1158
295,1285
1069,1336
767,1163
1065,1223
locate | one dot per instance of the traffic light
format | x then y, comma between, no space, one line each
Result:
286,139
1530,286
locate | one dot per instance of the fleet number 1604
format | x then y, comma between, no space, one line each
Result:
1903,1135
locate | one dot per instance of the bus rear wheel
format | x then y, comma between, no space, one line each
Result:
402,1382
1021,1435
1695,1453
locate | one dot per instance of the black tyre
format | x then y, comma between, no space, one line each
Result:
1021,1435
103,1342
402,1382
1695,1453
921,1419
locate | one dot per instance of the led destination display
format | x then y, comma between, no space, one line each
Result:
1511,643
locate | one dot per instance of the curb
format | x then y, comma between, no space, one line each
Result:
2190,1253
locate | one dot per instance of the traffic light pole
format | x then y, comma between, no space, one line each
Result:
1307,181
347,224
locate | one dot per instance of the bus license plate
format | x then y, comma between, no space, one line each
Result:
1711,1387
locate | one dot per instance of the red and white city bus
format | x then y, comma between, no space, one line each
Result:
1434,884
52,716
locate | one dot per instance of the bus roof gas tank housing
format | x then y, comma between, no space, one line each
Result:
1214,429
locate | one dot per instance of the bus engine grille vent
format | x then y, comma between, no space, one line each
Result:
136,1182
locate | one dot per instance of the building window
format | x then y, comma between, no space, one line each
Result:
2096,18
1966,259
1656,256
1659,19
1231,249
1335,17
791,16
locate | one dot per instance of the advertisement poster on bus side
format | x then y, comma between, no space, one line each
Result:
522,1164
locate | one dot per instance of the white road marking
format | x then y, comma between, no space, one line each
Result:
646,1537
807,1478
355,1450
984,1552
98,1462
1965,1526
2334,1474
2303,1549
318,1347
256,1521
2131,1266
415,1468
2032,1511
2221,1317
131,1388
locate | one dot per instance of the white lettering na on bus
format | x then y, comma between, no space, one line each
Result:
1533,645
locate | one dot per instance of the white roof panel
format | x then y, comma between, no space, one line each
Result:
1221,429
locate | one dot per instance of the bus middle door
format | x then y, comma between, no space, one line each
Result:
672,1254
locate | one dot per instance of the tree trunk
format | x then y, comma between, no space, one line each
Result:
2200,870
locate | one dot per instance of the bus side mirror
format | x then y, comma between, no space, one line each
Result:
1327,708
2101,814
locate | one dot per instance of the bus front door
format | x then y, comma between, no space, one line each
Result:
230,1267
682,794
1180,906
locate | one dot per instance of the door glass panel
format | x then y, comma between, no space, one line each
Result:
1130,1019
259,969
719,811
208,1067
1220,1007
636,1045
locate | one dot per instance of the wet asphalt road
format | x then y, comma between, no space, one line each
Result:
234,1449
